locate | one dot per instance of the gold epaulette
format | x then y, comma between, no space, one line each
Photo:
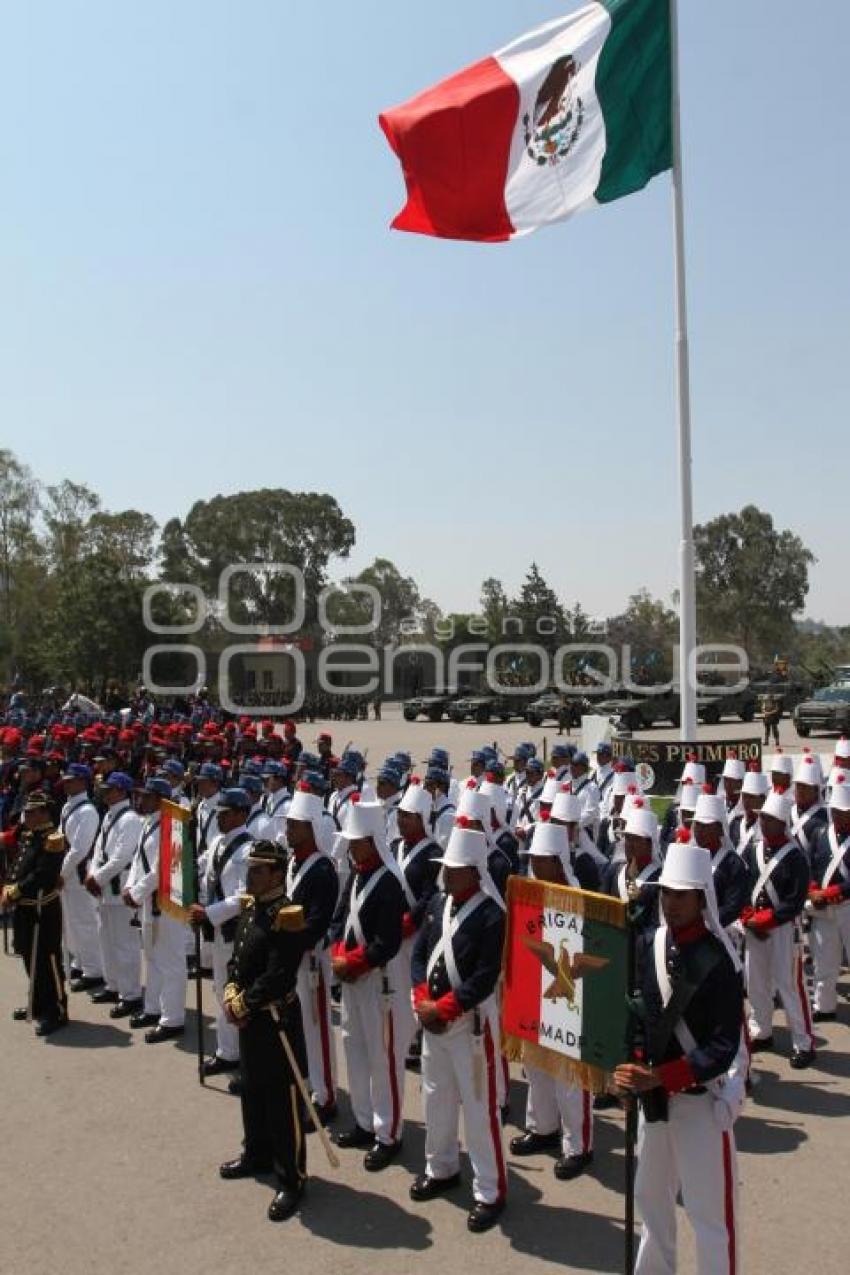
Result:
290,918
245,901
55,843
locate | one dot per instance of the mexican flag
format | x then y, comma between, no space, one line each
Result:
176,889
564,1006
577,113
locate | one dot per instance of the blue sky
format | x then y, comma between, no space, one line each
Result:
200,292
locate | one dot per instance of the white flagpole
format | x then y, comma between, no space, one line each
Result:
687,582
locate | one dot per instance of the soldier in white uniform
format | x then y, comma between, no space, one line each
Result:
808,813
456,964
222,890
163,936
690,1078
275,802
729,787
79,822
390,781
313,884
437,783
829,899
208,784
253,785
120,949
603,776
774,963
366,936
746,825
587,792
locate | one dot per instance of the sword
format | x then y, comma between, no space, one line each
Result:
33,955
333,1158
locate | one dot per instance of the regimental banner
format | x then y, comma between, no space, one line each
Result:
564,1007
660,762
176,890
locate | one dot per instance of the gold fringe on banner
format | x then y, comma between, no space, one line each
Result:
569,1070
563,898
174,910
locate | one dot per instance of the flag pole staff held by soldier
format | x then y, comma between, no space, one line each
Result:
631,1129
196,931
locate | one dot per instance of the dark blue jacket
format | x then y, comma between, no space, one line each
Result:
477,949
790,881
733,885
380,916
821,858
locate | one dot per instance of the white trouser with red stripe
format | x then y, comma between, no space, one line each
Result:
554,1104
79,922
373,1059
691,1152
776,964
120,951
830,933
164,946
459,1070
227,1036
313,985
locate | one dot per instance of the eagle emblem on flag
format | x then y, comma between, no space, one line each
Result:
553,128
565,969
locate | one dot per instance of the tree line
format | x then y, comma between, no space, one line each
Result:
73,575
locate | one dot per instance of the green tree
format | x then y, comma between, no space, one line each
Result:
651,629
300,529
494,607
752,581
22,567
67,510
400,609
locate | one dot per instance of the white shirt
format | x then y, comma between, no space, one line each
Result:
79,822
233,877
114,851
142,882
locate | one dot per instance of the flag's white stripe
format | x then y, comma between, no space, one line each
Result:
537,195
560,1023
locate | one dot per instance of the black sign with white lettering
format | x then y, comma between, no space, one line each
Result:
660,762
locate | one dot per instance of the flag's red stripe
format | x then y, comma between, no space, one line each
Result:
454,144
165,859
521,992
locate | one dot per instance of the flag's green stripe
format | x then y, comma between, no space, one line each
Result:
188,870
633,85
603,1025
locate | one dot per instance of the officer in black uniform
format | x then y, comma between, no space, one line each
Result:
261,1000
33,892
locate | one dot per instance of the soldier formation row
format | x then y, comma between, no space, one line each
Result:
395,896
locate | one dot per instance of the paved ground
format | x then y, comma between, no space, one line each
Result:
380,738
110,1150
